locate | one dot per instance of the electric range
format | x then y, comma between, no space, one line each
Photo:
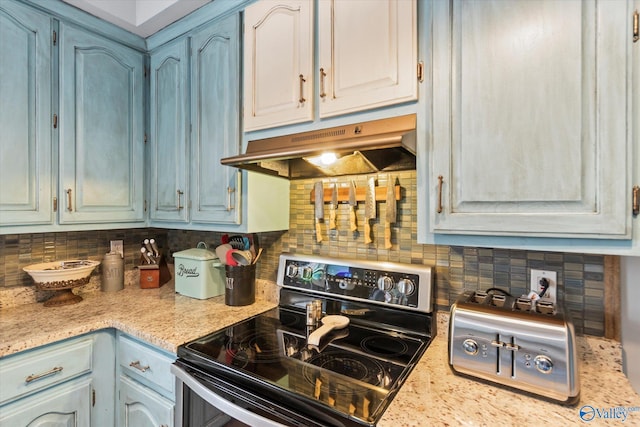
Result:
268,371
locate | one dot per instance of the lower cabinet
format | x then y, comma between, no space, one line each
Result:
146,387
139,406
68,383
102,379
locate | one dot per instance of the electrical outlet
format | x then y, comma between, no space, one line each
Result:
552,277
117,246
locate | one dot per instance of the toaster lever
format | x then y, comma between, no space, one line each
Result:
497,343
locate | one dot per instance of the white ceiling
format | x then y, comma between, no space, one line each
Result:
142,17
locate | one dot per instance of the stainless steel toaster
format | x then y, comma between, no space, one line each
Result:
516,343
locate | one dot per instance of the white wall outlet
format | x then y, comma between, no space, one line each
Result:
552,277
117,246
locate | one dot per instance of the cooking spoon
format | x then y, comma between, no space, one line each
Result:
329,323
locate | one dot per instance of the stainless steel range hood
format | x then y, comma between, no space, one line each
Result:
377,146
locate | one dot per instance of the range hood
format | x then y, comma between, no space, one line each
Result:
383,145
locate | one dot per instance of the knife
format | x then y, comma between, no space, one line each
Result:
369,208
319,209
391,211
333,207
354,206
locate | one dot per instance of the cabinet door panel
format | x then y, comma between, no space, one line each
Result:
169,143
529,118
278,49
101,147
215,126
368,51
142,407
66,405
25,116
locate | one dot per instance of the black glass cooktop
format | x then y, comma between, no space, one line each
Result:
353,371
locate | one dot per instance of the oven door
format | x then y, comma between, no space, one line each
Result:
204,400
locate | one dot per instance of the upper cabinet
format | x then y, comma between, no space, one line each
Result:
278,63
101,129
169,132
530,118
195,121
366,58
367,54
26,187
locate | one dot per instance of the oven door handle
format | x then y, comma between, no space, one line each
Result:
219,402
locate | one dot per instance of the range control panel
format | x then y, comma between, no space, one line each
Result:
405,285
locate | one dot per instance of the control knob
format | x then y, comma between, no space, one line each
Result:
385,283
470,346
543,364
406,286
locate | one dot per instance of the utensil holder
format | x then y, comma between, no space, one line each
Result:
240,285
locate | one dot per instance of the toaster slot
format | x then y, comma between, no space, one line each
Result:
498,300
523,304
480,297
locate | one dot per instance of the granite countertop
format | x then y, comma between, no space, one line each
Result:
432,394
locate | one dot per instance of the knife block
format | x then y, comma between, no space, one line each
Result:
153,275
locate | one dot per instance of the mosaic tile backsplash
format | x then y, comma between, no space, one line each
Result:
580,277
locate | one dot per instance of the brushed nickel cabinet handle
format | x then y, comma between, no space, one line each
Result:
229,192
69,205
139,367
34,377
322,76
636,26
302,81
55,121
180,193
636,202
440,181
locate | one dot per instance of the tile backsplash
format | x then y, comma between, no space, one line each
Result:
581,278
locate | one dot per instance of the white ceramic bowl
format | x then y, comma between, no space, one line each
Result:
61,271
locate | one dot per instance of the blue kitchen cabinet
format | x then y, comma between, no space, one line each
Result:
169,138
212,196
215,106
530,125
26,119
101,132
68,383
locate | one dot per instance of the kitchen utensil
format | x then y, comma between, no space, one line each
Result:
390,217
239,242
147,245
329,323
146,258
333,207
241,257
319,209
255,259
369,208
221,252
154,246
230,260
353,204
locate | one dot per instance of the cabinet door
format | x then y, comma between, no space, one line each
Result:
101,129
215,71
278,57
67,405
169,105
142,407
529,118
368,54
26,195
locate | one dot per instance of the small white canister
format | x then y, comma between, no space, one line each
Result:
112,272
199,273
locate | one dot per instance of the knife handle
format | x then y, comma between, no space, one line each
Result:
387,235
332,218
352,219
367,232
318,232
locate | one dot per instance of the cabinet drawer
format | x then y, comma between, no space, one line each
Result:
35,370
144,362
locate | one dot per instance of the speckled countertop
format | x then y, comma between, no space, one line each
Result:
432,395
